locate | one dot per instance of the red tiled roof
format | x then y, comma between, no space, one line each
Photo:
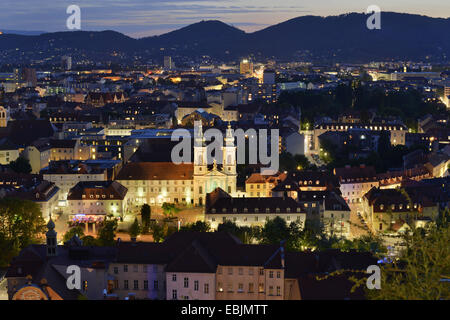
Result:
156,171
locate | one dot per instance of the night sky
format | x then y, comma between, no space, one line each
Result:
138,18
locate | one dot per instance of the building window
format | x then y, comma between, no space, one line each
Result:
240,287
230,271
250,271
196,285
270,290
250,287
174,294
116,270
271,274
241,271
278,274
278,291
144,268
135,268
261,288
261,272
145,284
174,277
186,282
136,284
206,288
125,284
125,268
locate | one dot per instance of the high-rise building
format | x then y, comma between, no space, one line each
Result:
28,76
246,66
269,77
66,63
447,96
168,63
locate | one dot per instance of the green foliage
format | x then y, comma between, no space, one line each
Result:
366,243
419,273
277,230
409,105
20,165
198,226
135,229
146,217
246,234
89,241
161,231
107,232
21,224
288,162
169,209
77,230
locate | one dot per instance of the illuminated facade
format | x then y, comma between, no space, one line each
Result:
188,183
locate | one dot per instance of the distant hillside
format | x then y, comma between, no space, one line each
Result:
337,38
22,32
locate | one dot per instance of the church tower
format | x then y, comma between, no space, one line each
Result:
51,239
229,153
200,155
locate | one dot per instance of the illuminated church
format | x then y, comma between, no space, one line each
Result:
188,183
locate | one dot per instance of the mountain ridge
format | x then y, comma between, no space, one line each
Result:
346,36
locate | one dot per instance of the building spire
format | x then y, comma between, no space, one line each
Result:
51,236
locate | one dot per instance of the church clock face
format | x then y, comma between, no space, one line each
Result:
30,293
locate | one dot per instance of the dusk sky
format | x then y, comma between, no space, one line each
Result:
138,18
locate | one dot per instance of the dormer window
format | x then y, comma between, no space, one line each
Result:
288,209
224,210
277,210
245,210
234,210
381,207
256,210
213,210
267,210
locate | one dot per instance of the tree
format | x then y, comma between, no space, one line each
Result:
145,217
135,229
160,231
21,220
21,224
169,209
89,241
107,232
77,230
421,270
20,165
246,234
198,226
277,230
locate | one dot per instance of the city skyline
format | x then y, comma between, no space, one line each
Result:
137,18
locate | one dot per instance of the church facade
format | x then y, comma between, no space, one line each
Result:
155,183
